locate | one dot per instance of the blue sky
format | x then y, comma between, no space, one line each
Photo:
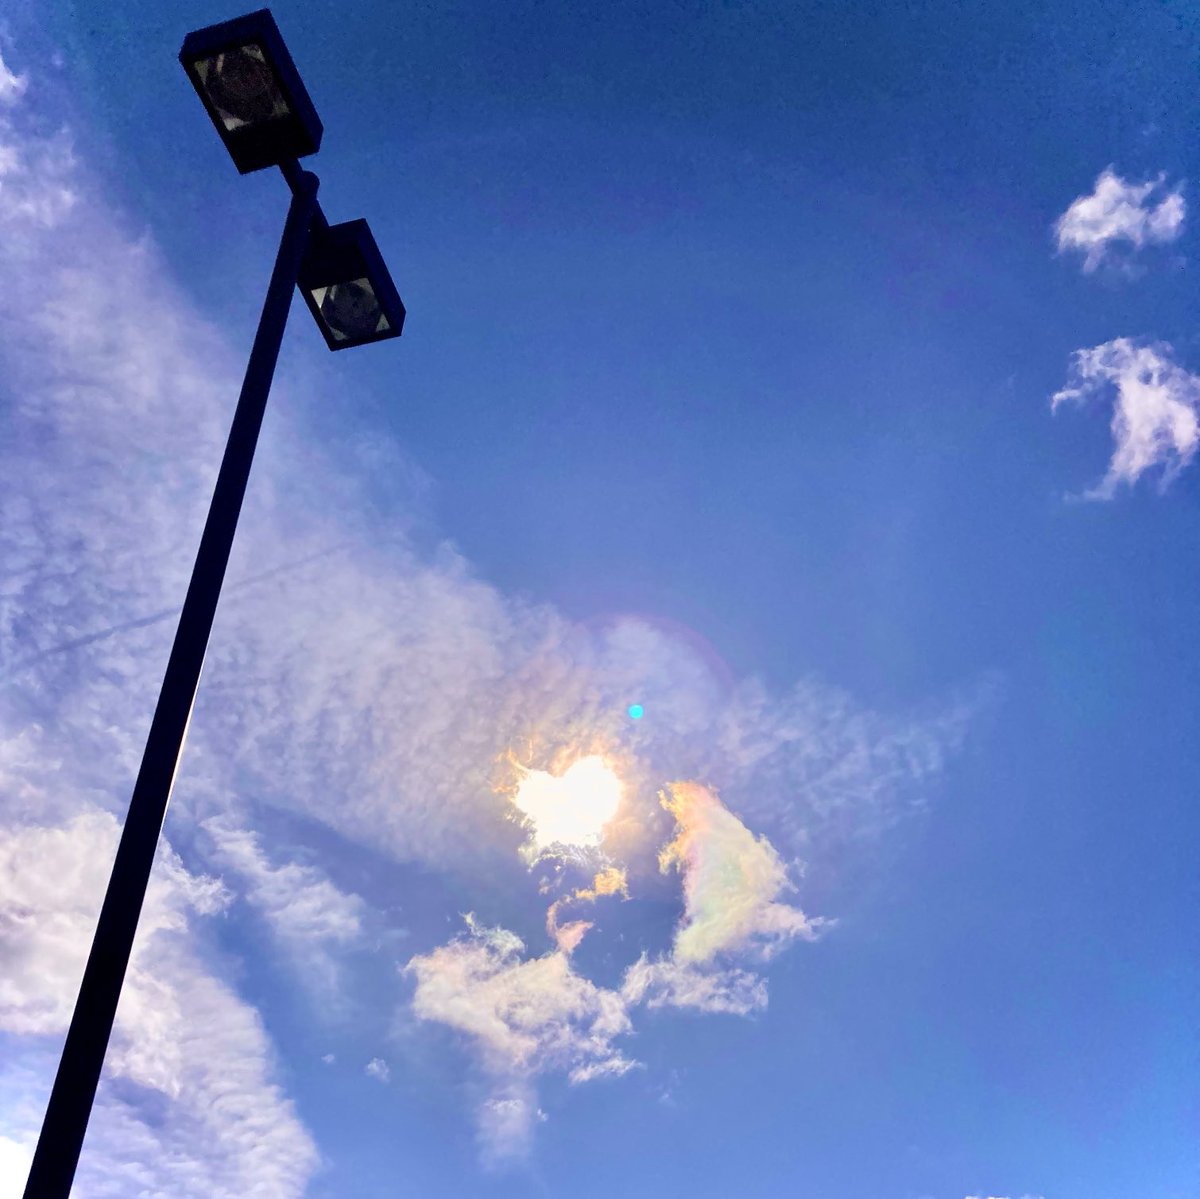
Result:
822,378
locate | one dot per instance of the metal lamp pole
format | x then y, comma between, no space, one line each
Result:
61,1138
245,78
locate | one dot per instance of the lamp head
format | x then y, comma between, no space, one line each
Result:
251,89
347,287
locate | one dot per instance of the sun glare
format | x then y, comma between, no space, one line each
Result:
571,808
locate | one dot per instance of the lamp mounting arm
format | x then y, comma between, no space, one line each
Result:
296,175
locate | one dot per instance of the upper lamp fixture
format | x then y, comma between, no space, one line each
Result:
346,285
252,91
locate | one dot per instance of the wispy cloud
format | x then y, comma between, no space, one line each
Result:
667,982
189,1104
1156,414
524,1017
12,85
310,916
51,891
1118,211
181,1034
378,1069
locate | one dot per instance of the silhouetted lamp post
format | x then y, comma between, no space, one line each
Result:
254,95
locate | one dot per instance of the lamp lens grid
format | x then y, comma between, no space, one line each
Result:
242,86
351,310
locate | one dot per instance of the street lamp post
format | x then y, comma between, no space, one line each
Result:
252,91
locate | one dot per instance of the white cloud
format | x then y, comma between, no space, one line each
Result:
15,1159
1156,417
51,883
12,86
523,1017
1117,211
310,690
225,1129
377,1068
311,917
671,983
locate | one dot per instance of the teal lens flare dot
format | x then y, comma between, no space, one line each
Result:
636,711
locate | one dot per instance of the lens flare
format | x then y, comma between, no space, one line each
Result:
571,808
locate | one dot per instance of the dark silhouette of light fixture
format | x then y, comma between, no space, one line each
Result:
347,287
252,90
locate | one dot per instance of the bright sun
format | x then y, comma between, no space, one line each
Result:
571,808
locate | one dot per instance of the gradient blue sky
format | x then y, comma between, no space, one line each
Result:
725,389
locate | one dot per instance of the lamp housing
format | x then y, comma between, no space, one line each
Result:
251,89
347,287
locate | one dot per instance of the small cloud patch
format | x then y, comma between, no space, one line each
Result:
1156,413
1120,211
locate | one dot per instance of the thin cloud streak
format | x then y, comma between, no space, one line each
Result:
314,923
141,622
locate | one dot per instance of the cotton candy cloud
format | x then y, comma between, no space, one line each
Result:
609,881
732,884
1156,414
732,881
1116,212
